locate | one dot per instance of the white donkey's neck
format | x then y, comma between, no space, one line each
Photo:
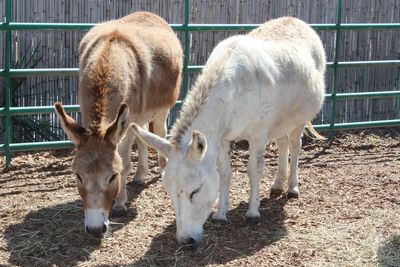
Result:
210,121
205,107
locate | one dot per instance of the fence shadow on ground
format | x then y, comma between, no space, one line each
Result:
222,242
389,253
54,236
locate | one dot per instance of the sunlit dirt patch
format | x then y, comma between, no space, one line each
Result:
348,213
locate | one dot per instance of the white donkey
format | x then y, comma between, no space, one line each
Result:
259,87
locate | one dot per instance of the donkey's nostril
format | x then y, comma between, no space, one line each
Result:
96,231
191,241
104,228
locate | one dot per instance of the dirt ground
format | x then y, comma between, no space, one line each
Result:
348,213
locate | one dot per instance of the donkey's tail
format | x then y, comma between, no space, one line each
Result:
313,132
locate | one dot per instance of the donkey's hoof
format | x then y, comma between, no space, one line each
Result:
138,179
275,193
218,219
292,194
252,220
119,211
220,222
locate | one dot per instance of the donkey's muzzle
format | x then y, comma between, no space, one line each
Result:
97,232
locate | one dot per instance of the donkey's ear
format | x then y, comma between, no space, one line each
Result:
162,145
197,147
118,127
74,131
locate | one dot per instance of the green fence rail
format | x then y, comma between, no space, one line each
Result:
8,26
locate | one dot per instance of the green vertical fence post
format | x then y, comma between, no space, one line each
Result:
398,89
8,89
187,50
335,71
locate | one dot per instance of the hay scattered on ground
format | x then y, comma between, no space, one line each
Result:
347,214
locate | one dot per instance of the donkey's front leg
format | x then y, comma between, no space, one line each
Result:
124,149
225,173
255,168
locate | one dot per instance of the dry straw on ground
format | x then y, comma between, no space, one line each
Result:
347,214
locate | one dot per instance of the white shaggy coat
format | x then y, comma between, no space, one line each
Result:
258,87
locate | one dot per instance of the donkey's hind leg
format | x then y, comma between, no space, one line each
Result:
143,163
294,148
160,129
283,153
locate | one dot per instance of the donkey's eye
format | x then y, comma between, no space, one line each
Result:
79,178
195,192
112,179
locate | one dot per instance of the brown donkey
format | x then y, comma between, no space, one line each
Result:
130,71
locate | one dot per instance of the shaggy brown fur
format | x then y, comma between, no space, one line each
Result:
134,62
100,88
129,60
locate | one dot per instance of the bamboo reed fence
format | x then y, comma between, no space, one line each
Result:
58,49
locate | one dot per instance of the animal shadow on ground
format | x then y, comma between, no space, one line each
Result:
222,243
389,253
55,235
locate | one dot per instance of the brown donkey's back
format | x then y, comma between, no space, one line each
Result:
130,71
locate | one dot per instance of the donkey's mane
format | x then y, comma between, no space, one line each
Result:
100,90
197,97
101,76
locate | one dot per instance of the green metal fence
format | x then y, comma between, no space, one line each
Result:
9,111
